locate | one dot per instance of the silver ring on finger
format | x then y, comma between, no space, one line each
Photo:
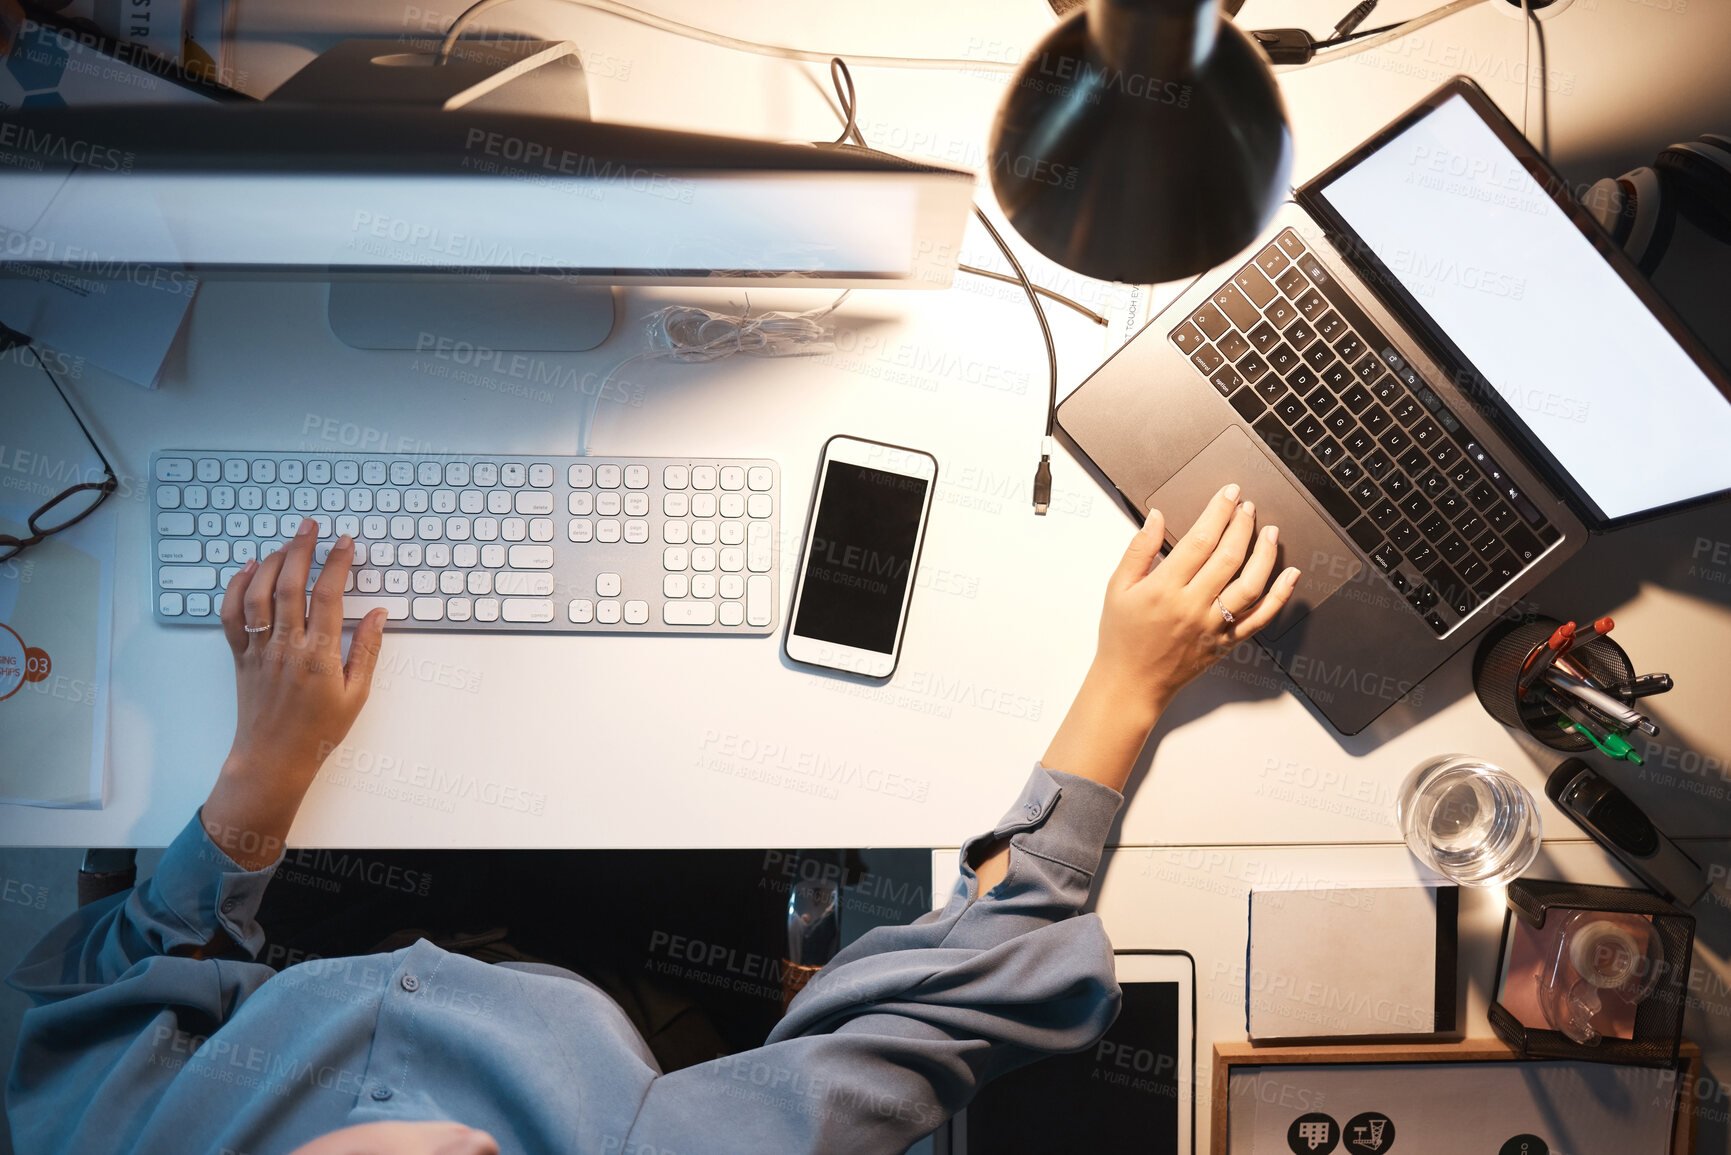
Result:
1224,612
264,629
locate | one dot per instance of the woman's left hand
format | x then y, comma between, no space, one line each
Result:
296,698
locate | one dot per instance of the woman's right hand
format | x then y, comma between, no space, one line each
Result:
1162,625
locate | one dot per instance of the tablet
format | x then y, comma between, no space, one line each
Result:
1134,1091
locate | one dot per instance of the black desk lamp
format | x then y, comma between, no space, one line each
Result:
1142,141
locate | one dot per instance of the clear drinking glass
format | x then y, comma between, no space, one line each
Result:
1468,820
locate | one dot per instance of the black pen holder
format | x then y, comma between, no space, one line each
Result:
1497,671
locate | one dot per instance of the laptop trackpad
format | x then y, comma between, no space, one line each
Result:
1324,558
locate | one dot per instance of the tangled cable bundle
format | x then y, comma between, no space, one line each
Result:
688,333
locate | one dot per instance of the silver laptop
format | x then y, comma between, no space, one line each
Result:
1437,375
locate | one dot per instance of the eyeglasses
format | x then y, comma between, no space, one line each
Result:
71,505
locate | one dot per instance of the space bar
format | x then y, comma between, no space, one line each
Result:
1314,477
395,609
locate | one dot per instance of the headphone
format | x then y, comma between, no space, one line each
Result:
1640,208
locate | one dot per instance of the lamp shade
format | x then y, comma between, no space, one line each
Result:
1142,141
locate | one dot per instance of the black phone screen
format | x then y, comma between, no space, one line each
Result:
861,557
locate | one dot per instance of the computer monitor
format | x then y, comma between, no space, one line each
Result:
470,220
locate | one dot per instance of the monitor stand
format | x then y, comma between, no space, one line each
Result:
524,315
418,312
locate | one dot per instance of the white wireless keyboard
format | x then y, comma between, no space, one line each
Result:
506,543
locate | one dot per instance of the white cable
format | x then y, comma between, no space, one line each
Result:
691,31
1353,48
690,334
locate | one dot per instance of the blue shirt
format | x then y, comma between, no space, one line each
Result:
133,1045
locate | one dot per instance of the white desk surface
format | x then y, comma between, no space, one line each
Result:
666,742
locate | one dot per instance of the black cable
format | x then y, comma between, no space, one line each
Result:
1354,18
838,72
1335,42
1040,289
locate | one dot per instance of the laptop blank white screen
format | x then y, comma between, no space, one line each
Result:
1572,352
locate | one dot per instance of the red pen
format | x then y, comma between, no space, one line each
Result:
1597,630
1541,658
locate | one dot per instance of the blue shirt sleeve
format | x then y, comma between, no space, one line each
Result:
901,1029
117,974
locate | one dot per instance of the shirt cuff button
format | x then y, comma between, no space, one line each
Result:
381,1092
228,905
411,983
1033,810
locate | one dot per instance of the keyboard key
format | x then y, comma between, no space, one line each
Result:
1320,400
1366,493
1360,443
171,605
1422,598
1319,357
1290,243
1376,462
1328,451
1413,504
732,477
1311,304
1264,337
175,524
1254,285
608,613
757,600
1337,377
1437,625
1224,380
1368,369
1445,453
1472,569
1434,526
1414,462
1452,505
429,609
1271,260
1526,547
1252,366
486,609
534,584
1501,517
1453,547
186,577
1211,321
1247,403
1347,472
1233,345
1386,557
1482,495
1331,327
636,612
1421,555
1187,337
1292,282
356,606
1364,534
1404,536
1340,423
1290,408
531,557
1349,348
1394,440
1472,526
1280,314
688,613
526,610
1229,300
759,478
1207,359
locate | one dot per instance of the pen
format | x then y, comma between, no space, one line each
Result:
1542,657
1598,629
1600,701
1644,685
1611,745
1575,670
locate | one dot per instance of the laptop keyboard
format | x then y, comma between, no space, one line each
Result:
1359,429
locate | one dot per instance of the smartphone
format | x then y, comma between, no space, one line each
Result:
862,547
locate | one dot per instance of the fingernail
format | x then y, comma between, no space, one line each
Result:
1272,533
1230,493
1249,509
1148,523
249,566
307,525
1291,575
345,541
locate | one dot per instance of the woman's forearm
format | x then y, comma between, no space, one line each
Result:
1100,739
